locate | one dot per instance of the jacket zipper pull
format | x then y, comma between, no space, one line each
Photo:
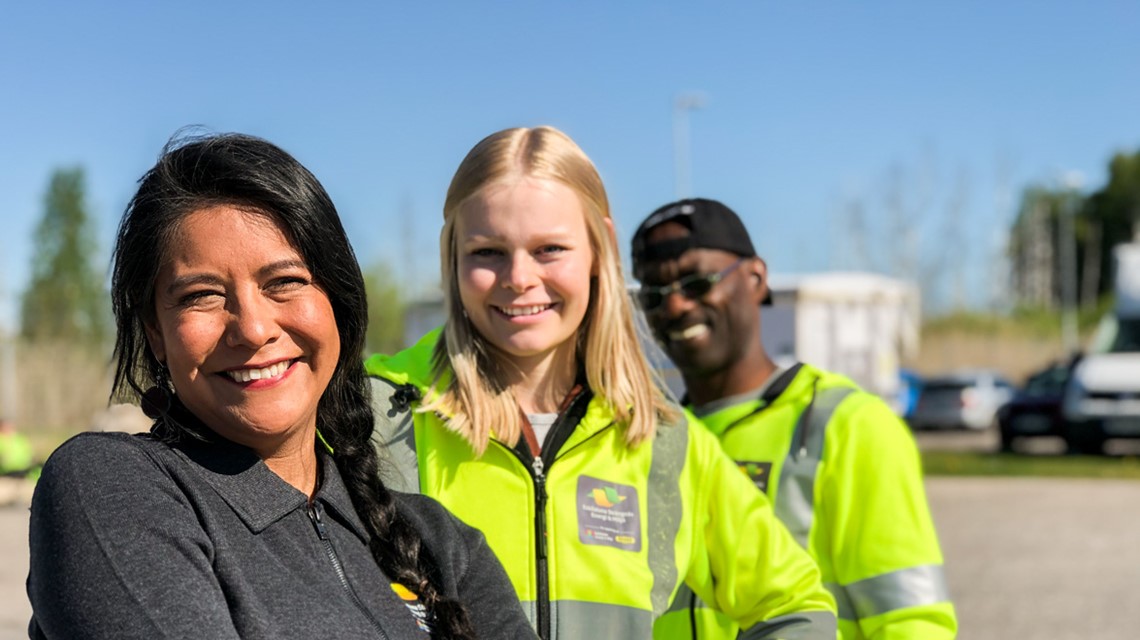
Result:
318,523
540,493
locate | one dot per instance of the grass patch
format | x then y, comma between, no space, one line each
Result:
1036,322
951,463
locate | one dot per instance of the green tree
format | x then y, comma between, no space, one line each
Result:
1111,215
65,299
385,310
1105,218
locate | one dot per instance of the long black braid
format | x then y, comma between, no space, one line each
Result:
397,547
254,175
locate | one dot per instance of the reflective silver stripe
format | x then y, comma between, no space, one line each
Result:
804,625
795,493
807,625
664,508
912,587
577,620
395,438
843,604
530,608
684,598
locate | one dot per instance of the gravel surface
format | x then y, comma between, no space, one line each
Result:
1040,557
14,608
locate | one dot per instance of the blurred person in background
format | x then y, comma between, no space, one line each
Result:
253,508
534,416
841,467
17,458
18,466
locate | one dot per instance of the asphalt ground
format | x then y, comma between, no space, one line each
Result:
1026,558
14,608
1030,558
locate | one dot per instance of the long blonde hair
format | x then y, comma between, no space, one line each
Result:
476,397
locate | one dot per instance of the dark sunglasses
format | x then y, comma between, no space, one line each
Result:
692,287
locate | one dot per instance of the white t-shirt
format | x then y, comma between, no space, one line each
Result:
541,423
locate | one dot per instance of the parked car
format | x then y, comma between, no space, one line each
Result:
1102,399
1036,409
910,386
962,400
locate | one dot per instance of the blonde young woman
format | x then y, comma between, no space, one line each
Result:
533,416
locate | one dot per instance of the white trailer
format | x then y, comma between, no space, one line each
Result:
1127,280
862,325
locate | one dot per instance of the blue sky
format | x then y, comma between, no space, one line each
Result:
810,108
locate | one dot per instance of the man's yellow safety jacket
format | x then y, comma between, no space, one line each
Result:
597,536
846,479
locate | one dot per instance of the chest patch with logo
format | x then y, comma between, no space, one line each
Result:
412,602
608,514
757,472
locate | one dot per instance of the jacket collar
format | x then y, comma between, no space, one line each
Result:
720,421
256,494
414,366
599,415
409,366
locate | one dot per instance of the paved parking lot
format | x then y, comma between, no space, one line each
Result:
1026,558
14,608
1040,557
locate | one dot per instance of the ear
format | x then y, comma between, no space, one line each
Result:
758,279
154,339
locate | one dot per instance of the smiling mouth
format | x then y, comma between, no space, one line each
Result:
249,375
517,312
688,333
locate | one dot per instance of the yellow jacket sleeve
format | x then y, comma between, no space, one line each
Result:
880,537
746,564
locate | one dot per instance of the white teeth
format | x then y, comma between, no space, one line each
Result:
245,375
524,311
689,332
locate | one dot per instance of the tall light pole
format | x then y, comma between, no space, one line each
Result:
1067,255
682,163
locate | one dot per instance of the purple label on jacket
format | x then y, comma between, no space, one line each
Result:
608,514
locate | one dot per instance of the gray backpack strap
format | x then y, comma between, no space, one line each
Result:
394,434
795,498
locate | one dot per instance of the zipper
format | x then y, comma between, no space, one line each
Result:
574,408
315,514
538,468
805,419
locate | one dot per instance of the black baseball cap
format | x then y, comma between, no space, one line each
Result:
711,225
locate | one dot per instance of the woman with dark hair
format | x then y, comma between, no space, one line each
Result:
253,509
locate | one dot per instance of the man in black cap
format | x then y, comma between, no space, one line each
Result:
840,466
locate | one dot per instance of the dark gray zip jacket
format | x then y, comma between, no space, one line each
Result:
134,538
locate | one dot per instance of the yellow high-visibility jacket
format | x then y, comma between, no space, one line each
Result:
846,479
597,536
